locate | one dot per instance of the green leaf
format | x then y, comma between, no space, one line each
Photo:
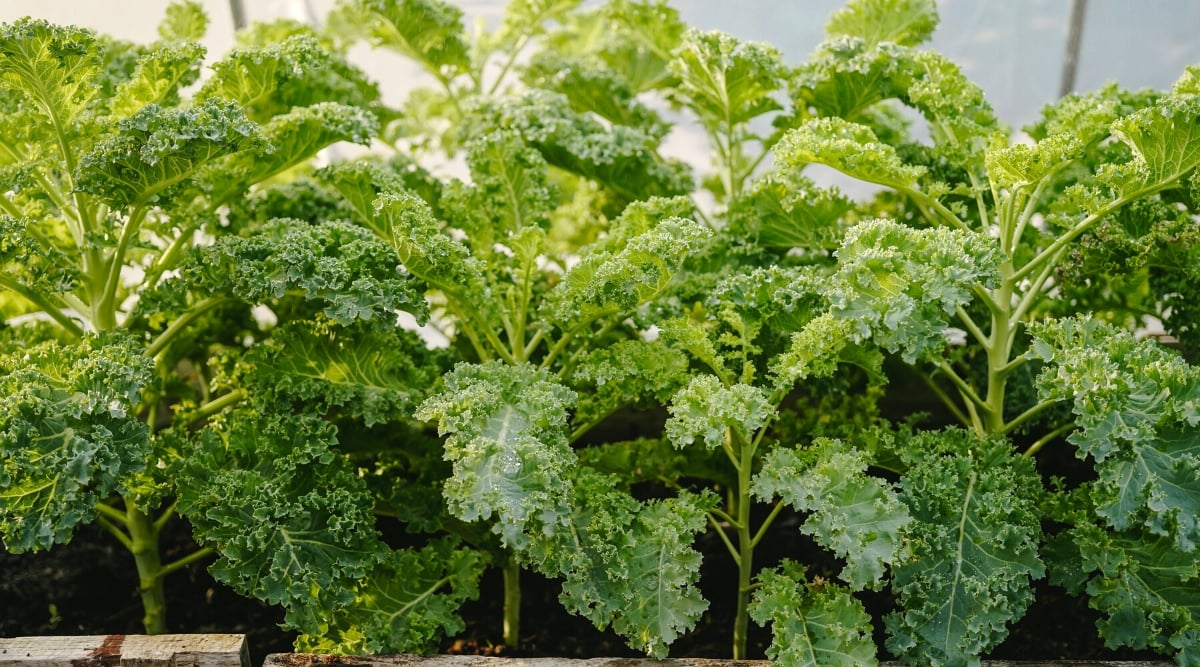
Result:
1145,586
508,191
158,78
506,429
628,563
339,266
814,625
726,82
858,517
70,435
971,551
298,72
294,138
185,21
157,149
1165,141
1136,409
368,374
405,605
705,409
904,22
619,157
427,31
784,210
608,283
55,67
852,149
631,373
900,285
287,515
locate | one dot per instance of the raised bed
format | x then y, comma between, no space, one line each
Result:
228,650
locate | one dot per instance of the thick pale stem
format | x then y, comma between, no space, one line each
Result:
144,546
512,604
745,540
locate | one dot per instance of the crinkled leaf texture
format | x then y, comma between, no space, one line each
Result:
1137,407
371,374
69,434
289,517
815,624
408,602
346,269
704,410
900,285
860,518
627,563
506,429
971,551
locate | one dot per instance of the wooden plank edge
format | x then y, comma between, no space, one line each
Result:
318,660
211,650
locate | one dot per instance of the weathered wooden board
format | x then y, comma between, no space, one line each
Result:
310,660
126,651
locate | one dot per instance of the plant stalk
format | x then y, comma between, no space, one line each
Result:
144,546
512,604
745,540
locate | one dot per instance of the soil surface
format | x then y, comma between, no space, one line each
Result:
88,587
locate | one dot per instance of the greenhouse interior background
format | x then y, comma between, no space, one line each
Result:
1014,50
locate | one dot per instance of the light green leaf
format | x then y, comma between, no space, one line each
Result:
858,517
852,149
55,67
158,78
815,624
904,22
428,31
506,435
704,410
1136,406
405,605
900,285
1165,140
725,81
185,21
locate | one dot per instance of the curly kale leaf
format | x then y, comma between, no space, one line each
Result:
344,267
159,76
273,79
1136,409
628,563
289,517
371,374
814,624
37,269
596,88
408,602
852,149
900,285
1146,587
858,517
506,429
54,67
705,409
158,148
608,283
69,434
183,21
507,195
972,547
726,82
619,157
1165,143
627,373
427,31
903,22
294,137
784,210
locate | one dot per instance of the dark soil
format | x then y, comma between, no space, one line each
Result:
88,587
